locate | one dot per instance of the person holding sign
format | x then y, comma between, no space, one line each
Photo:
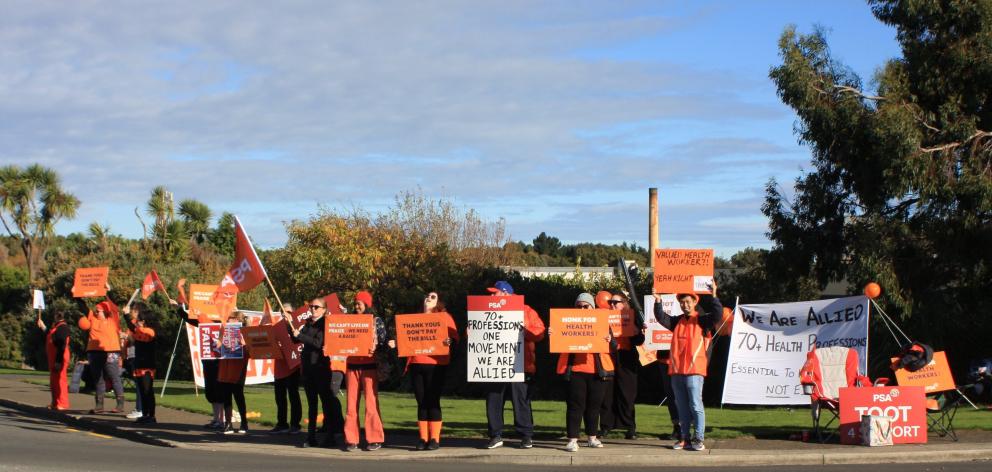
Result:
691,335
520,392
141,323
316,369
363,377
427,376
209,368
286,373
103,351
57,348
618,402
231,373
587,375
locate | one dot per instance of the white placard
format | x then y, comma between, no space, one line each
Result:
495,337
769,345
656,336
39,300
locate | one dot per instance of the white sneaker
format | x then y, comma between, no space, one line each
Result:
594,443
134,414
572,446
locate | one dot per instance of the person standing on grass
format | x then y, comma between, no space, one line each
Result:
427,376
141,323
287,385
520,392
57,348
316,370
103,351
692,332
588,377
231,375
363,377
619,400
209,368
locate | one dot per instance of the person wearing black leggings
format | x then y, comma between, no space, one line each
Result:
141,322
316,370
209,368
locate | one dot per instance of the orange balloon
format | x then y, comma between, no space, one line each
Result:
603,299
872,290
728,322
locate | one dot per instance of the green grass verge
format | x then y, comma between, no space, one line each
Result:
11,371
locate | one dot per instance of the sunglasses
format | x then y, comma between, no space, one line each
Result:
583,305
432,297
615,302
316,307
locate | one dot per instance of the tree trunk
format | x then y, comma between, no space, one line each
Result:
28,247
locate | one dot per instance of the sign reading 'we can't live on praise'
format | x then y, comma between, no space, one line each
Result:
495,339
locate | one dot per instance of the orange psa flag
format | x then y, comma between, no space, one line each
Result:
683,270
151,284
578,330
246,271
348,335
90,282
421,335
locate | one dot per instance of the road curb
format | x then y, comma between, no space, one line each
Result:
81,422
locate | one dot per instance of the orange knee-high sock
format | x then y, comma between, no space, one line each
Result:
424,430
435,429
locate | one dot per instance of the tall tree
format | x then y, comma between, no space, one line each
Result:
196,219
901,185
32,201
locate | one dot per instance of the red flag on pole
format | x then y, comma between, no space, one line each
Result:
246,272
151,284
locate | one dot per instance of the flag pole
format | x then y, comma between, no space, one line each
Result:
179,332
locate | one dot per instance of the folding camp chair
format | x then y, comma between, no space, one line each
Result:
941,409
825,372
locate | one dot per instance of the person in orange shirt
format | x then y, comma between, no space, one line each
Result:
363,377
103,351
587,376
427,374
57,348
520,392
141,322
692,332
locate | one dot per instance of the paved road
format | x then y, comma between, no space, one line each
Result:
32,444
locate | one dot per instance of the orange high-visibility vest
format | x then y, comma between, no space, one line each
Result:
689,346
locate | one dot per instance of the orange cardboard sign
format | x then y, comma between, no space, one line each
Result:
934,377
90,282
201,302
645,356
622,323
578,330
261,342
683,270
421,335
348,335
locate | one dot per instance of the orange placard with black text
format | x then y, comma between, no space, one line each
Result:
90,282
201,302
622,323
934,377
577,330
683,270
421,335
348,335
261,342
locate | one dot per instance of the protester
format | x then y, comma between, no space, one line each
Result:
587,376
316,370
691,335
103,351
57,348
363,377
231,375
520,392
127,346
209,368
664,366
287,385
427,376
621,393
141,323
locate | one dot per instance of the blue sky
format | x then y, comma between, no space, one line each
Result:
556,116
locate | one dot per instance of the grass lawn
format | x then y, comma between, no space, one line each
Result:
466,417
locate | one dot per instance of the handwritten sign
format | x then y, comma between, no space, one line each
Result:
656,336
495,339
261,342
201,302
348,335
38,302
421,335
577,330
90,282
683,270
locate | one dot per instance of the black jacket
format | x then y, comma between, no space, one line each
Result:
313,361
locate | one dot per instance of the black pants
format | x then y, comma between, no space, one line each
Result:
318,386
520,394
210,390
621,394
428,381
288,386
234,393
585,397
666,385
146,390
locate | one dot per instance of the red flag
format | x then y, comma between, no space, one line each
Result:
266,313
151,284
246,272
182,292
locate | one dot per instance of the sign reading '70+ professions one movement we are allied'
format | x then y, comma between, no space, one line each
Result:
496,339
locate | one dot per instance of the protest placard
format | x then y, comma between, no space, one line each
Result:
495,339
38,300
261,342
905,406
201,302
348,335
656,336
90,282
683,270
577,330
259,370
622,323
933,377
421,335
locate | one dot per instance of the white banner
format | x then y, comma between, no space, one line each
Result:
259,370
656,336
769,345
495,339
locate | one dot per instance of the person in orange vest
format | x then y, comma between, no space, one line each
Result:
363,377
588,377
692,332
103,351
520,392
57,348
427,376
141,323
618,402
